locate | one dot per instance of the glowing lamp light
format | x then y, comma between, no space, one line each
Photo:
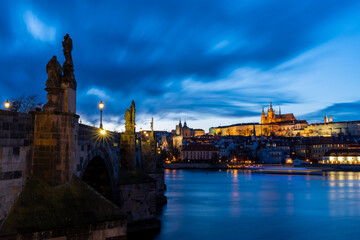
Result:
7,104
102,131
101,105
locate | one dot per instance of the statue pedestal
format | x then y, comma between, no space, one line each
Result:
55,146
127,151
69,99
54,101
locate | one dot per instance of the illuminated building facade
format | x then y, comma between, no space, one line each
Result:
272,117
196,152
184,132
342,156
273,153
178,136
315,148
286,125
348,128
271,124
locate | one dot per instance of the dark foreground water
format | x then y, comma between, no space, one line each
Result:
232,204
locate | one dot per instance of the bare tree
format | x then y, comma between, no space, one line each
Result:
24,103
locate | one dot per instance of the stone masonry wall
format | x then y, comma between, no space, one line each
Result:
160,186
148,156
16,139
138,201
127,151
104,230
55,146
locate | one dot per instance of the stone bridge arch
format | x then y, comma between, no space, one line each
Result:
98,171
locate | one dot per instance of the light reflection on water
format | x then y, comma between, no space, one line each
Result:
235,204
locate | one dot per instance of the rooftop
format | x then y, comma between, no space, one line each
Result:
343,152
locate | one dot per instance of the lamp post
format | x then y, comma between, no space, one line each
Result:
101,106
7,104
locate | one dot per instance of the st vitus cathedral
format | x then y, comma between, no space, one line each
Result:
272,117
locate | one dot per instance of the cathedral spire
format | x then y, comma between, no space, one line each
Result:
279,110
270,104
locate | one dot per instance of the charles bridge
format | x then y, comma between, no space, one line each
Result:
60,178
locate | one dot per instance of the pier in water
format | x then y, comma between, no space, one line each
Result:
233,204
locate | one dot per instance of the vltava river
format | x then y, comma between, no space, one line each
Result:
232,204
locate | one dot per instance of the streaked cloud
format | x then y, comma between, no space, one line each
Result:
99,93
38,29
213,62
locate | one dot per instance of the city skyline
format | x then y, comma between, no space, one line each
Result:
209,63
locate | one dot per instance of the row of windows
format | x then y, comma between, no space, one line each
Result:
197,155
327,145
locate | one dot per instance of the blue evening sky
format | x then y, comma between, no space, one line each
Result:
211,62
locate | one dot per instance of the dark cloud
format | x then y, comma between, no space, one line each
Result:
134,49
339,112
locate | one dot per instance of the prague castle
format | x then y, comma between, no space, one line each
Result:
273,118
287,125
271,124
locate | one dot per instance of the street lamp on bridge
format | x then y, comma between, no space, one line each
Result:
101,106
7,104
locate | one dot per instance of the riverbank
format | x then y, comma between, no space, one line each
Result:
319,169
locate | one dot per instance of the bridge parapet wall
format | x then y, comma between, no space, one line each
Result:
16,139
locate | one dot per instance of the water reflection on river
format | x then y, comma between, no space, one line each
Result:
233,204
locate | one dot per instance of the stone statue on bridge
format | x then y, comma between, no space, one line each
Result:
61,83
54,71
67,45
152,135
127,140
130,118
53,85
68,65
68,81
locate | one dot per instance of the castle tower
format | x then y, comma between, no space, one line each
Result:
180,127
271,114
177,139
263,117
